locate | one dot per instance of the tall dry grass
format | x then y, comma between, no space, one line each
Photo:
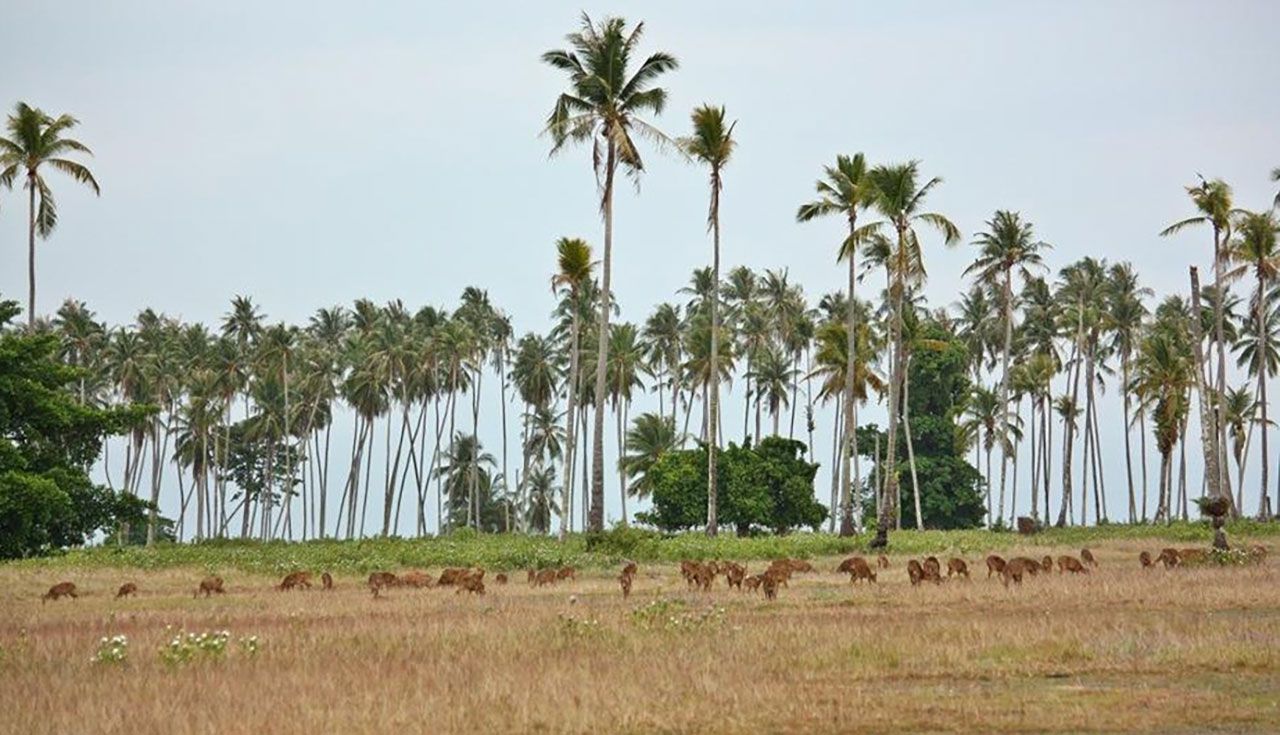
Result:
1123,649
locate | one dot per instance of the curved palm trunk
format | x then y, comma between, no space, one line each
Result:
1208,424
911,452
596,515
1224,476
889,504
1068,429
849,446
713,398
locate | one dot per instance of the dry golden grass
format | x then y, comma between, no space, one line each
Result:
1122,649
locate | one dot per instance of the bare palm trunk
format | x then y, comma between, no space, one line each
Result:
1004,382
887,511
1208,424
1068,429
837,435
850,420
1128,455
1264,506
911,452
596,515
566,491
1219,427
31,251
713,399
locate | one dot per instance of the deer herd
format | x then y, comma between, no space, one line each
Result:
702,575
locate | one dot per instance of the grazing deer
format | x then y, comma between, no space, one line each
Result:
294,580
208,586
1047,563
471,583
846,566
416,579
752,583
624,580
1145,560
126,589
1070,564
769,582
995,564
858,568
957,567
326,581
1029,565
379,581
1194,556
1169,557
451,576
500,578
915,572
1086,556
543,577
566,573
799,565
932,570
733,574
1015,568
630,568
61,589
883,561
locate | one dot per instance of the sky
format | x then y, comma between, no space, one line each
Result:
311,153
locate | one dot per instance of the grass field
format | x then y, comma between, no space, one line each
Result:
1122,649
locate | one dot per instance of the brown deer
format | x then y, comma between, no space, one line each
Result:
126,589
1070,564
915,572
799,565
566,573
1015,568
1144,558
326,581
733,574
544,577
451,576
208,586
379,581
957,567
1046,563
61,589
1169,557
769,583
625,580
500,578
858,568
471,583
1031,566
932,570
846,566
882,561
1193,556
294,580
752,583
415,579
630,568
1086,556
995,564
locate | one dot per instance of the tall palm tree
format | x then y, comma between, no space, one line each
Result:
1213,200
900,199
35,140
1008,244
663,343
712,143
605,104
573,272
626,362
846,190
1163,377
1256,250
1124,318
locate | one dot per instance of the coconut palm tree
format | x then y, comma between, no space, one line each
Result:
899,197
1255,249
1008,244
663,344
649,437
1162,380
846,190
773,376
1213,199
605,104
712,144
36,141
573,273
626,363
1124,317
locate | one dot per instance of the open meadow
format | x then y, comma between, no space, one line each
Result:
1121,648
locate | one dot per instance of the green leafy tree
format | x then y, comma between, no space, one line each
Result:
48,440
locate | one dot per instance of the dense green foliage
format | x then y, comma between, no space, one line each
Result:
47,439
949,485
769,486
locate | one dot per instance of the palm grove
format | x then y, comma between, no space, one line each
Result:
241,413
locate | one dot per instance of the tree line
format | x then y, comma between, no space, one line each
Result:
242,412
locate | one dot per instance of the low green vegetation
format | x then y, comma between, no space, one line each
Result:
519,551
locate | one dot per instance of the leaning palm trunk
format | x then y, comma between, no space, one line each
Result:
1208,438
596,514
889,503
1068,430
911,452
1128,456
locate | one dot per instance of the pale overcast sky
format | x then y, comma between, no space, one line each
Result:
309,153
